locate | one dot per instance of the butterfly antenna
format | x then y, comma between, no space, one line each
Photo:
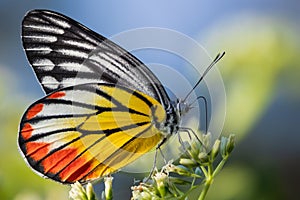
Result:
218,57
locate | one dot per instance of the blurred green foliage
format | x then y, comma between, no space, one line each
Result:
259,50
261,59
17,181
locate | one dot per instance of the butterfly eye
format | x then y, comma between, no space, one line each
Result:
182,107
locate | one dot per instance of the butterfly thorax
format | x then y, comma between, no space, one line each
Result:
174,114
171,124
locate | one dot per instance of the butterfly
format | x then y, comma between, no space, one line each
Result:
103,107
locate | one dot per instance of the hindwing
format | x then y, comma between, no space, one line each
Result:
83,132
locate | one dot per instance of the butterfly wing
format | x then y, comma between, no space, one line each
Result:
81,133
63,53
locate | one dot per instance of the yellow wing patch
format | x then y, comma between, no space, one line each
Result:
85,132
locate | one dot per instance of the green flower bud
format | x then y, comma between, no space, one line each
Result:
90,192
206,140
223,144
202,155
230,143
161,182
215,149
198,172
77,192
227,145
203,158
194,149
108,187
179,169
141,192
187,162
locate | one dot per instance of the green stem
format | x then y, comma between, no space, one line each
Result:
209,176
205,189
208,181
220,166
204,171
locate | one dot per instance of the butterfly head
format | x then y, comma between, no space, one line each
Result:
182,107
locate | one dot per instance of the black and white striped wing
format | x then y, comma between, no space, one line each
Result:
63,53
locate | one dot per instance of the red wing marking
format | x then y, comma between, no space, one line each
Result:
58,160
26,131
76,170
33,111
56,95
37,150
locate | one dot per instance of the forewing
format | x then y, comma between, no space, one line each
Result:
64,53
87,131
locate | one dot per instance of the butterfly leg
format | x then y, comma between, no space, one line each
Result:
188,131
155,158
183,144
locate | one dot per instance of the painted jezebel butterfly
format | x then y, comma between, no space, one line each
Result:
103,107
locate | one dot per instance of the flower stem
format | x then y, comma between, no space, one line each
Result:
220,166
205,189
208,181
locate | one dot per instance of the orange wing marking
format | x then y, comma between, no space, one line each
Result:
26,131
37,150
56,95
33,111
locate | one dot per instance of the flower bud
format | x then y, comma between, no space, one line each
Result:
206,140
108,187
187,162
77,192
179,169
161,179
198,172
230,143
90,192
140,192
215,149
227,145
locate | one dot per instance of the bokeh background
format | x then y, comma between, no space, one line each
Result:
261,73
